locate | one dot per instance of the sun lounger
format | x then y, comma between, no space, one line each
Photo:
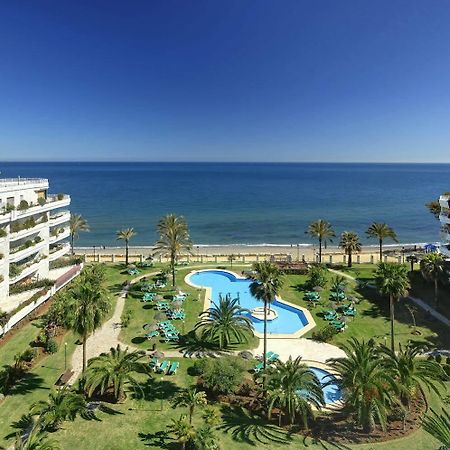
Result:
329,315
258,367
273,357
153,363
152,334
173,368
164,366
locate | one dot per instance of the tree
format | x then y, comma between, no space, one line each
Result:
266,286
77,223
438,425
114,370
368,388
350,244
62,405
231,258
88,306
317,276
381,231
225,323
411,371
174,239
35,440
321,230
432,267
392,281
182,429
205,438
294,389
126,235
191,398
222,375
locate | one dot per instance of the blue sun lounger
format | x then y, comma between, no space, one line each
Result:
164,366
173,368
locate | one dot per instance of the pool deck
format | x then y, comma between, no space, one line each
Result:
208,295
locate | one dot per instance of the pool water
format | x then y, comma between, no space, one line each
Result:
289,320
332,392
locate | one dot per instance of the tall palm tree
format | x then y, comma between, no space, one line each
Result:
174,239
88,306
225,322
35,440
381,231
126,235
114,370
432,267
411,371
368,388
350,244
438,425
77,223
182,429
392,281
294,389
266,286
62,405
321,230
191,398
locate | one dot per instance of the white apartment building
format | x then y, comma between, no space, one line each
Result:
34,231
444,217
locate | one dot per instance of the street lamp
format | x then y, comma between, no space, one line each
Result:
65,356
298,252
162,379
94,252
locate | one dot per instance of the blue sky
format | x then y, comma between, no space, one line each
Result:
230,80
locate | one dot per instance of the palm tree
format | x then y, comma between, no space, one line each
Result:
191,398
114,370
77,223
225,322
392,281
60,406
35,440
381,231
266,286
205,438
173,239
411,371
182,429
88,306
438,425
432,267
294,389
368,388
350,244
321,230
126,235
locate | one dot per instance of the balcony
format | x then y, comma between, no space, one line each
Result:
53,202
60,218
60,251
444,201
27,271
27,231
56,238
7,184
26,252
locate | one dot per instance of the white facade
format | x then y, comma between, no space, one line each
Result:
444,217
34,227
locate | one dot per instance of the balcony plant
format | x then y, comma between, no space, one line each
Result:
3,233
23,205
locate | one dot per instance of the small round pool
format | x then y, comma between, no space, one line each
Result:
331,393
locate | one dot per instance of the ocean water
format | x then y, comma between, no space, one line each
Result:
238,203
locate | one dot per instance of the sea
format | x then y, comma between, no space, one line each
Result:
245,203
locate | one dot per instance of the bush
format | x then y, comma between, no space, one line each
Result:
223,375
51,346
14,270
199,367
60,196
28,355
317,276
22,287
41,201
23,205
2,232
325,334
9,207
65,262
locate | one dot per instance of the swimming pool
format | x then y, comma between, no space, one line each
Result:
289,318
331,393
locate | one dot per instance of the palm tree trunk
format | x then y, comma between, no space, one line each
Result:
279,418
349,263
172,262
265,344
391,305
320,250
381,250
71,244
84,351
436,292
126,253
191,413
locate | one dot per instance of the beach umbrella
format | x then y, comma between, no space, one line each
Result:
159,298
177,304
146,326
160,316
318,288
151,327
158,354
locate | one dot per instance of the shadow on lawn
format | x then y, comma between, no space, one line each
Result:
27,384
154,389
158,439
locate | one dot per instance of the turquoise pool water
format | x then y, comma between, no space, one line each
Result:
331,392
289,319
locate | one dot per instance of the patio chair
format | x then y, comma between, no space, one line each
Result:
173,368
164,366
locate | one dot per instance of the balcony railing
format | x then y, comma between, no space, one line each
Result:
8,182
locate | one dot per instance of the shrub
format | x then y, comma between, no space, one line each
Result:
199,367
28,355
9,207
51,346
14,270
325,334
2,232
64,262
22,287
223,375
126,319
23,205
60,196
317,276
41,201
